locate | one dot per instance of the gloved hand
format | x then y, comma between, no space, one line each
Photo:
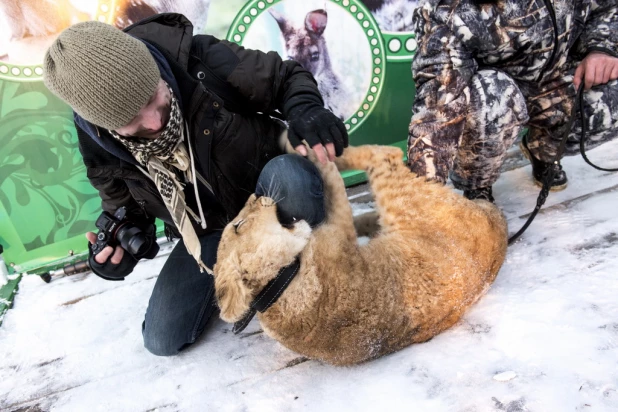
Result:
317,126
110,271
116,263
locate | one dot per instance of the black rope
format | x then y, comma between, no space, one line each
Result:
582,149
548,178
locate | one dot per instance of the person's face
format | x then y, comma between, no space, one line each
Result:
152,117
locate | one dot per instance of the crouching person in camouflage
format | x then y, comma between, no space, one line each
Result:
485,70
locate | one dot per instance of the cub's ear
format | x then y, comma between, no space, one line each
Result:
233,297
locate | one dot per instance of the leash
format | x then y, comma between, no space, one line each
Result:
582,149
550,172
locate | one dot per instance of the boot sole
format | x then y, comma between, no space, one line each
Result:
551,189
528,155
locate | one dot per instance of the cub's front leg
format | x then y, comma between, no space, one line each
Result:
338,209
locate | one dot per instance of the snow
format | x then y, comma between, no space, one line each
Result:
544,337
505,376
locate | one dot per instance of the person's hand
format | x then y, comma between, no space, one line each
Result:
321,129
103,255
597,68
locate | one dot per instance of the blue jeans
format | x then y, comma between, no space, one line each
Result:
183,300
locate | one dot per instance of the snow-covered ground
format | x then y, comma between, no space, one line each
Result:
544,338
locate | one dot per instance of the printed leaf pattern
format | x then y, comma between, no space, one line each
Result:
43,184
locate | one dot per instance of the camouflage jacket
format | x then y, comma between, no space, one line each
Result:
530,40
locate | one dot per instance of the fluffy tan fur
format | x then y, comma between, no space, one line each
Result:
434,255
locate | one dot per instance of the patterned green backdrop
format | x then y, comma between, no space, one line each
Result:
46,201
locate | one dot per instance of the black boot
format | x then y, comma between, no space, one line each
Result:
540,168
480,193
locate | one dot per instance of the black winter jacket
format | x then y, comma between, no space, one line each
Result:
228,95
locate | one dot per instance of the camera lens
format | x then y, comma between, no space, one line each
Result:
133,240
138,245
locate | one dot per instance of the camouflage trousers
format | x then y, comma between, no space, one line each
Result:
499,109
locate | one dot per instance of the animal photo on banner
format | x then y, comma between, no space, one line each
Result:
326,40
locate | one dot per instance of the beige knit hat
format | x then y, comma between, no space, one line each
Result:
103,73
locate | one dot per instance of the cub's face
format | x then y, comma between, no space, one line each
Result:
253,248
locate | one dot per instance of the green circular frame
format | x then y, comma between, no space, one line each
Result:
363,16
34,72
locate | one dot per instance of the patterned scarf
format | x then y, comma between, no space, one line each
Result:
159,156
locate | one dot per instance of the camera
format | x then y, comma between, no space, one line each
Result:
117,230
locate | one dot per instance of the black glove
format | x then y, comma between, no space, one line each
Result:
108,270
316,125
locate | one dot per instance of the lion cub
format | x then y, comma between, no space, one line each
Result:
435,254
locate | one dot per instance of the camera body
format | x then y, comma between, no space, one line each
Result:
117,230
